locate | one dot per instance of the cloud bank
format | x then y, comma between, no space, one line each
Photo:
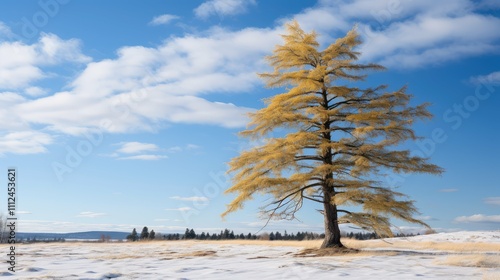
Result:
147,88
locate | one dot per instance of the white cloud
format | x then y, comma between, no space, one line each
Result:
139,150
192,147
163,19
140,90
24,142
18,66
136,147
448,190
489,4
35,91
89,214
178,149
143,157
23,212
5,31
190,198
175,149
492,200
430,40
22,64
53,49
9,115
478,218
180,209
145,87
65,226
111,155
408,34
490,79
223,7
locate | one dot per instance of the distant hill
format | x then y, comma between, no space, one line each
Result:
88,235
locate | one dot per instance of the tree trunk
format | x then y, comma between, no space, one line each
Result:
332,231
330,215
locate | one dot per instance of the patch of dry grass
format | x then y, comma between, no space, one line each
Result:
346,253
167,255
314,252
476,260
463,247
197,254
162,249
275,243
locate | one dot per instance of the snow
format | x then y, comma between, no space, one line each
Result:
222,260
460,236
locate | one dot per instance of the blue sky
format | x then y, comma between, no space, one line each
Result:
123,114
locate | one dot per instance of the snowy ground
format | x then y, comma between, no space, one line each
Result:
224,260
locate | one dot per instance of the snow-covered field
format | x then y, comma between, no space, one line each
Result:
461,255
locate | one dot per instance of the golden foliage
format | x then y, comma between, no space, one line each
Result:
335,137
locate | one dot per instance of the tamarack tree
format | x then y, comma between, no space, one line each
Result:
338,140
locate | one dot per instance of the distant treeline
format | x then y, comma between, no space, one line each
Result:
146,234
40,240
227,234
